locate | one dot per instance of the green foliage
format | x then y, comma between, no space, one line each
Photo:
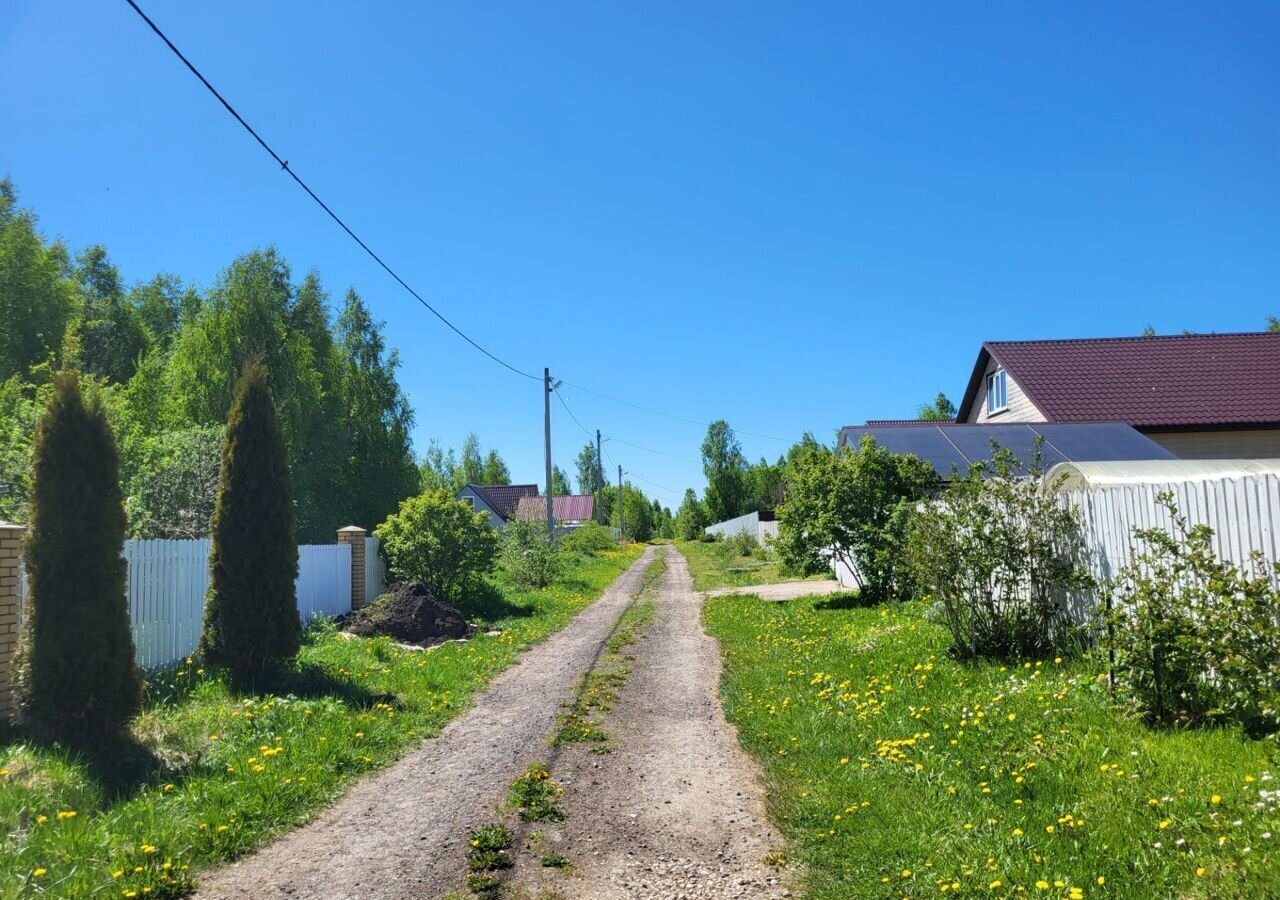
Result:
560,486
743,543
637,519
590,471
535,795
78,682
691,518
590,538
438,541
1003,557
853,507
725,468
251,613
528,556
442,471
940,410
1193,636
37,298
173,495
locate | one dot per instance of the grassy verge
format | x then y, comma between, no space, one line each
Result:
895,771
716,565
233,770
598,691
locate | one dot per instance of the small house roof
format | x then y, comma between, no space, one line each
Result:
566,508
503,498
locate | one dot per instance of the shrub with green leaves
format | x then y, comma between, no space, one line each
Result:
1002,557
529,556
743,543
78,682
251,612
439,541
1195,637
590,538
852,507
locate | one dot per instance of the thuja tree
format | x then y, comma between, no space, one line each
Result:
79,683
251,612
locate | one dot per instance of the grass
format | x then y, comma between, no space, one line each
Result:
534,794
232,770
716,565
598,690
896,771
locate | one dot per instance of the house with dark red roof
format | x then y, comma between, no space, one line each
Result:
499,501
1201,396
570,510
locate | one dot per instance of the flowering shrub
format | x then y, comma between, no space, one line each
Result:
1193,636
1001,557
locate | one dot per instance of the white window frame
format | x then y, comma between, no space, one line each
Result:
469,500
997,392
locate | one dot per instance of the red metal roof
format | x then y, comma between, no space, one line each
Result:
1150,382
571,508
503,498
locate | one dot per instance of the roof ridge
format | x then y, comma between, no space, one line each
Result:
1137,337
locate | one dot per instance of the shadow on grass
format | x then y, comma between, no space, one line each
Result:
310,681
844,600
488,604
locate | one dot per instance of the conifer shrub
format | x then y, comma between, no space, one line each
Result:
251,612
78,682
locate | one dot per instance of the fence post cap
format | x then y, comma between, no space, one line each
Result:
352,529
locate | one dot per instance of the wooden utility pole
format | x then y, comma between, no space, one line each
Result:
599,470
622,522
546,408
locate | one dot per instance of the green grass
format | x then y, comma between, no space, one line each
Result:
716,565
233,770
895,771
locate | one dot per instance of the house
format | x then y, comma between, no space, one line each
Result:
954,446
1201,396
498,500
570,510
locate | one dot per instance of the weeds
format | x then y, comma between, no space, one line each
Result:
534,794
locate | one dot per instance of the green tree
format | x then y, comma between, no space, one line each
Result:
163,305
79,683
1273,324
36,297
560,486
440,542
589,470
439,470
853,507
112,336
940,410
251,612
725,468
472,461
495,471
380,471
173,495
691,517
763,483
637,522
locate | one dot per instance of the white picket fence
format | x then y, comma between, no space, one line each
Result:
168,580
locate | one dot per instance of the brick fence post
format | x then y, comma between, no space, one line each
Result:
10,573
355,535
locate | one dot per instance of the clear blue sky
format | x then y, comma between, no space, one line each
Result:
792,216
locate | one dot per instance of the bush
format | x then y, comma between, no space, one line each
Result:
439,541
1194,637
591,538
78,682
251,613
743,543
528,556
852,507
1002,557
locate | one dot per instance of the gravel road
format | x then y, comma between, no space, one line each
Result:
675,809
402,833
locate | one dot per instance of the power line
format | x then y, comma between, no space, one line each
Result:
655,452
585,429
674,493
284,164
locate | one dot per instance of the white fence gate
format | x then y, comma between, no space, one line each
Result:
167,582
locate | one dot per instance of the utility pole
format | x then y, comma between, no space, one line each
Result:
546,408
622,523
599,470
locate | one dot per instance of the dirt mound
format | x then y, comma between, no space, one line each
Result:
409,613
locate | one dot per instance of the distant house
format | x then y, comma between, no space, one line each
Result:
498,500
570,511
1202,396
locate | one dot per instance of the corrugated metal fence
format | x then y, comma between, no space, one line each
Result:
375,570
1244,514
168,580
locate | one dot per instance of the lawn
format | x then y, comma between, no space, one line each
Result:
896,771
717,565
235,769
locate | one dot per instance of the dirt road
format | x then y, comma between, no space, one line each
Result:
672,811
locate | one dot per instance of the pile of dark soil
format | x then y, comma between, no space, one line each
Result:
409,613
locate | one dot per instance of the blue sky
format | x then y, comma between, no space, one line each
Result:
792,216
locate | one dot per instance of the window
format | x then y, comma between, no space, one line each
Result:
997,398
470,501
